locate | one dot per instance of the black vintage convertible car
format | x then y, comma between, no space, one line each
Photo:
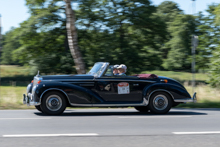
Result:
100,88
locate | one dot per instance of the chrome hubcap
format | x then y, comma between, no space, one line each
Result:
54,102
160,102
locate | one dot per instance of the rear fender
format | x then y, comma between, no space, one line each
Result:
175,92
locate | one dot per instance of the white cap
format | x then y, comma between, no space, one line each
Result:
115,66
123,67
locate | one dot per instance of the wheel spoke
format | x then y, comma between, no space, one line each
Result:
53,102
160,102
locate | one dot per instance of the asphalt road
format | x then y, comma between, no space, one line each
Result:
110,128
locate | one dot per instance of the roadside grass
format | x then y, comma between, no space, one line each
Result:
14,70
207,97
11,97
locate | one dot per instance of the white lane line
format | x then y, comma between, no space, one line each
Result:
23,118
152,116
188,133
52,135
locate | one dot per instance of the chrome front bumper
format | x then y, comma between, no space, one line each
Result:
193,99
29,100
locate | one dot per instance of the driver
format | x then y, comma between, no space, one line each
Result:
122,70
115,70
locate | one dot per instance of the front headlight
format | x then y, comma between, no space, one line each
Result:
34,89
28,88
33,92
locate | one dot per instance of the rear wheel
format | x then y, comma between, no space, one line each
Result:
142,108
160,103
53,103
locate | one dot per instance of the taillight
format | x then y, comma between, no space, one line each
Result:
164,80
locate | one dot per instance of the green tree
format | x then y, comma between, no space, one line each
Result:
207,32
214,66
179,55
133,29
167,12
10,43
132,32
176,49
217,13
43,39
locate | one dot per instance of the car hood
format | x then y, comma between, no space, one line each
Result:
59,77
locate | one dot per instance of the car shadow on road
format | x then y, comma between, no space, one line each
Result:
120,113
198,109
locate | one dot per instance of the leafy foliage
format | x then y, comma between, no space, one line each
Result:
10,42
215,59
131,32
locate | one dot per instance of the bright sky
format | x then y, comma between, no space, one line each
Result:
14,12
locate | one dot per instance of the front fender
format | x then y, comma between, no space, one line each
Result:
74,93
175,91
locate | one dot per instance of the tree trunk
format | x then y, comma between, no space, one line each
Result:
72,38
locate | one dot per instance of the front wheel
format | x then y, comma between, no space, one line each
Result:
160,103
38,108
53,103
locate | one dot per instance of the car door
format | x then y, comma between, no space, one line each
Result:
120,88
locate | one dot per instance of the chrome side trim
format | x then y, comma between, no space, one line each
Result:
81,105
144,103
159,90
117,105
96,79
184,100
54,89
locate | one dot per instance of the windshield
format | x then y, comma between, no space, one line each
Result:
109,71
98,69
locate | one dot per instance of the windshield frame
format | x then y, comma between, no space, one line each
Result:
100,70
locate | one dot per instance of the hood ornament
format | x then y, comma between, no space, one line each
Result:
38,74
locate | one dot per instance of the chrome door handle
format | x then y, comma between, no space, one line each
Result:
135,84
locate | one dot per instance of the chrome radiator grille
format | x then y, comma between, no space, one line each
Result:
35,82
36,79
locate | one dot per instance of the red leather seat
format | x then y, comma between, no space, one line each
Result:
146,76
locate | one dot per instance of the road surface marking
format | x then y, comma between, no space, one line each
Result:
51,135
152,116
188,133
24,118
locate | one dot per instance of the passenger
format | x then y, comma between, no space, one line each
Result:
122,70
115,70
